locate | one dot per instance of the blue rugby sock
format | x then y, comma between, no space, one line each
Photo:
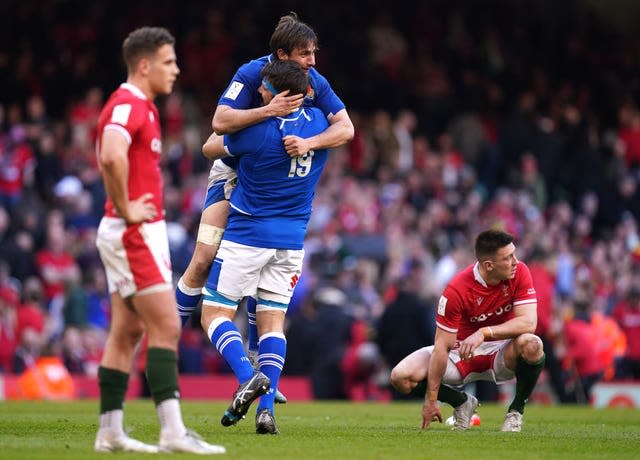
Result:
225,336
187,299
252,328
272,352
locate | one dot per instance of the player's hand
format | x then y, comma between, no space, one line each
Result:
295,146
468,345
141,209
282,104
430,413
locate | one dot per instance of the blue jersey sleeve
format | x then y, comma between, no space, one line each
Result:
242,93
322,95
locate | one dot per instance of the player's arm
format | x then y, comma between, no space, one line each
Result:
339,132
444,342
213,148
525,320
228,120
114,164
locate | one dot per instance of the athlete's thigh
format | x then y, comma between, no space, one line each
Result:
282,272
414,366
216,214
236,269
159,314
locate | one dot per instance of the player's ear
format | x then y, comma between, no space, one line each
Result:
282,55
144,66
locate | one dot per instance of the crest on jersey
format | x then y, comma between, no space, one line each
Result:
442,305
310,92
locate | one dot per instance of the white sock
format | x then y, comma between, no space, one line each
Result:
112,419
170,417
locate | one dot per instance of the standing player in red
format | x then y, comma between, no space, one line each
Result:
134,248
485,321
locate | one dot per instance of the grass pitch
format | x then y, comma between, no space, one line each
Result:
332,431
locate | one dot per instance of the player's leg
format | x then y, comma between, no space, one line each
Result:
156,305
233,274
125,332
272,350
253,339
210,231
276,284
410,376
523,355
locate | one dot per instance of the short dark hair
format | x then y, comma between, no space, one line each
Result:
144,42
291,33
489,241
285,75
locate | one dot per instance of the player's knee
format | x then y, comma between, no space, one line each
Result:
530,347
399,381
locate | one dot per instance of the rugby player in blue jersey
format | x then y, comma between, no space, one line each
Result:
240,106
261,251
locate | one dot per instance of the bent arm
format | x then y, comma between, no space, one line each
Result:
339,132
227,120
213,148
524,321
114,164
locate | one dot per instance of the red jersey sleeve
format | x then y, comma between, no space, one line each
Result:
524,292
127,118
449,310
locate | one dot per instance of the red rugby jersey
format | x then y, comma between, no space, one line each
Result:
132,114
468,303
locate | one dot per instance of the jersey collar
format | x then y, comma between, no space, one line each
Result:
477,275
134,90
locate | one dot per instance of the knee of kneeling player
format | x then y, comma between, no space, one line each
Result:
531,349
399,382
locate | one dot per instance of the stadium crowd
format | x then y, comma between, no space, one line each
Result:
466,117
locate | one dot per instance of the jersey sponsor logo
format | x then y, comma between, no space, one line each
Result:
505,290
121,114
479,300
485,316
156,145
234,90
442,305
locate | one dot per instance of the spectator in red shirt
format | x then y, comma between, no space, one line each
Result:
581,339
55,264
627,314
8,303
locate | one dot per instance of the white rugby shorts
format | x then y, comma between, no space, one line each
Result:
239,270
135,257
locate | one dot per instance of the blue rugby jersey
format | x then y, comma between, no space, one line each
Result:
271,204
242,92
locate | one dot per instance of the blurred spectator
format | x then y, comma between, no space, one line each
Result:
27,351
8,340
408,322
581,359
627,314
17,164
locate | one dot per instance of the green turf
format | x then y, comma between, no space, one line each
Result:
333,431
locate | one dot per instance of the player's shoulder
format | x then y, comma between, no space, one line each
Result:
254,66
